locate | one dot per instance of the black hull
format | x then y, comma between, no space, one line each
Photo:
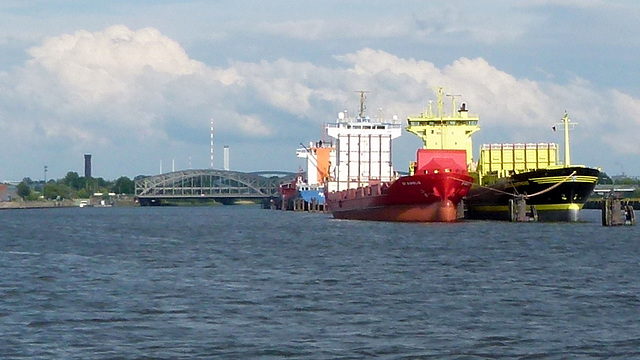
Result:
553,202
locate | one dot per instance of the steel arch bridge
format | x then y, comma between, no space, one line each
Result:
220,185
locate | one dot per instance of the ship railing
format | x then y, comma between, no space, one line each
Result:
364,125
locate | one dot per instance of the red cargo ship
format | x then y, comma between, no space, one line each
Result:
431,194
364,186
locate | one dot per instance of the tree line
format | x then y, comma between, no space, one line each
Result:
74,186
621,181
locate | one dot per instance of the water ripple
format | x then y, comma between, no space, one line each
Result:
243,283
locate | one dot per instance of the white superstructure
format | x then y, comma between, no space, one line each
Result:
363,149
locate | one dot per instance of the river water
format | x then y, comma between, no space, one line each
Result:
239,282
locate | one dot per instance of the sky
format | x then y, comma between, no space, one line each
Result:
137,83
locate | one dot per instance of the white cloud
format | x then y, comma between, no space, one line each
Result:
139,91
92,87
621,127
369,61
255,126
484,87
424,25
322,29
94,66
282,84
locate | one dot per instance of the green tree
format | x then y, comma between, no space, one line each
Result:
123,185
83,194
24,190
74,181
100,183
626,181
604,179
56,191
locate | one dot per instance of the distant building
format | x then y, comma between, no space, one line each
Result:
8,192
87,166
601,190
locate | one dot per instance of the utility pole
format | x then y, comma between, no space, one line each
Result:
211,165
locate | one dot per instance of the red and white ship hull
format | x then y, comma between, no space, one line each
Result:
431,195
417,198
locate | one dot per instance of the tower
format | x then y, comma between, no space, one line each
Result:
226,158
87,166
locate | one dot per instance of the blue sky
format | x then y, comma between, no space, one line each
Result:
135,83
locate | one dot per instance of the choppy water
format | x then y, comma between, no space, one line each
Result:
244,283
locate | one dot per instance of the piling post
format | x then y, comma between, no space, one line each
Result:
615,213
460,210
518,210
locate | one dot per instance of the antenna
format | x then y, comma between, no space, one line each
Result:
453,103
440,103
362,99
211,165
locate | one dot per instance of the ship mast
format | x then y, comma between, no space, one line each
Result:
565,122
362,99
440,103
453,103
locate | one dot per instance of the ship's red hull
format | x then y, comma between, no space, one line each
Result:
415,198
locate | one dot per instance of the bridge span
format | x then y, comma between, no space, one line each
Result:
220,185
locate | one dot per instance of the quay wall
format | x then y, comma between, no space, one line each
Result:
5,205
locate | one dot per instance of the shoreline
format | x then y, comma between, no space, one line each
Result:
10,205
13,205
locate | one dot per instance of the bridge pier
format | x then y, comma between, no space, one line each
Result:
226,201
149,202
